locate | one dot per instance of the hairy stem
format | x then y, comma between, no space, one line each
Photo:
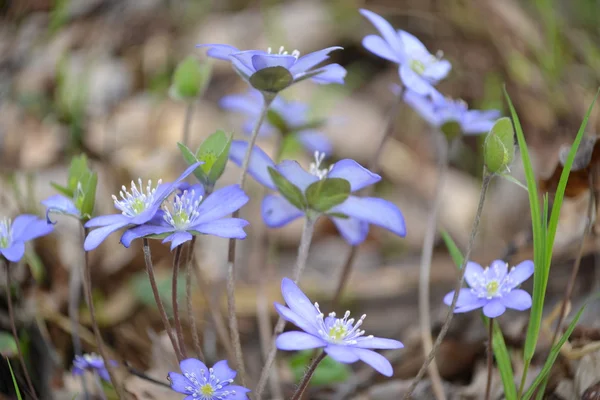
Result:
188,297
158,300
175,301
87,288
425,267
13,327
231,307
490,359
303,249
189,112
75,278
344,277
484,186
306,379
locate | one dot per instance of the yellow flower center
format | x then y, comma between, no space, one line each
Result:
492,288
338,332
417,66
207,390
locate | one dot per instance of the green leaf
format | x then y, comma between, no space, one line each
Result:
142,290
14,379
271,79
327,193
214,152
190,158
454,251
62,189
499,147
512,179
190,78
288,190
328,371
277,121
8,346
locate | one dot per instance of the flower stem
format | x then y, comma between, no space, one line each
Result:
189,112
303,249
373,166
306,379
87,288
490,359
175,301
157,299
425,267
188,297
13,327
99,385
484,186
231,307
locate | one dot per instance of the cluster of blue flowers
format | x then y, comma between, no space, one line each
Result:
176,212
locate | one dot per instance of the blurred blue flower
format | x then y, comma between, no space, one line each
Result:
93,363
352,217
190,214
247,63
341,338
14,234
60,204
292,115
437,110
201,383
493,288
137,208
419,69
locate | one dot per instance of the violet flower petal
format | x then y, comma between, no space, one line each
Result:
296,340
277,211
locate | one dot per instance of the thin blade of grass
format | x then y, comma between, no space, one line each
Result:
14,379
498,343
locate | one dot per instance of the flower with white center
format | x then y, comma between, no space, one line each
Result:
93,363
191,214
341,338
14,234
352,217
137,206
494,288
201,383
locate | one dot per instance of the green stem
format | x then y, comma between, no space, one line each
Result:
490,359
175,301
306,379
303,250
484,186
188,295
189,112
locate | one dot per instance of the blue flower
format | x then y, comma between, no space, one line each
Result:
437,110
358,212
493,288
293,115
249,62
201,383
341,338
14,234
93,363
190,214
419,69
137,208
60,204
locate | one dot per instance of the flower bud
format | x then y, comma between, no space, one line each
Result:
190,78
499,146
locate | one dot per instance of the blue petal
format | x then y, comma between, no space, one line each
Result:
241,103
221,203
60,204
27,227
353,230
277,211
494,308
517,299
343,354
239,392
178,238
180,383
293,172
97,236
358,176
141,231
473,273
315,141
437,71
308,61
219,51
298,341
261,61
300,322
242,62
466,301
14,252
104,220
375,360
376,45
412,45
259,162
226,227
332,73
386,30
374,211
520,273
414,81
423,106
297,300
377,343
223,372
193,366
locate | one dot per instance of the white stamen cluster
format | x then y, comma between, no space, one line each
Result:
207,388
315,167
5,232
493,282
184,210
340,330
282,51
135,202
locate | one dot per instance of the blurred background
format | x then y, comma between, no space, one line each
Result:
93,76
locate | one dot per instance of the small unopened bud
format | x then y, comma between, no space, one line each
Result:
499,146
190,78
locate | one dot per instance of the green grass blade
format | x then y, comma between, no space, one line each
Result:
552,356
14,379
498,343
